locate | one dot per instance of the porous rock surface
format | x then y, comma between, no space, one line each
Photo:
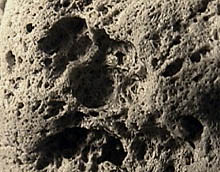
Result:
109,85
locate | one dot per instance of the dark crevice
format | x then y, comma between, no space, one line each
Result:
203,6
177,26
173,68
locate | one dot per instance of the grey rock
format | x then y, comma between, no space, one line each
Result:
97,85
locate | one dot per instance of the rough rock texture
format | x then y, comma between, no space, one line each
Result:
110,85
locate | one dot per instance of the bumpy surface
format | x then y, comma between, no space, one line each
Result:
109,85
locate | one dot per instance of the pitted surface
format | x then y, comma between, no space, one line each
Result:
109,85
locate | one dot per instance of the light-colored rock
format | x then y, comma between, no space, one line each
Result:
111,85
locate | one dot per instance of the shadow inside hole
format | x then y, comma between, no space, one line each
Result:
10,59
173,68
65,144
54,108
139,148
190,128
113,152
70,119
60,33
92,85
209,103
79,48
196,56
169,168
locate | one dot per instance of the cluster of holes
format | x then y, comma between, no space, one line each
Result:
64,144
75,141
91,83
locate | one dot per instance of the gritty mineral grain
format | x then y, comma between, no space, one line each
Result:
109,85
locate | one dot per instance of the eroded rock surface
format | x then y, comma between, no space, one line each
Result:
113,85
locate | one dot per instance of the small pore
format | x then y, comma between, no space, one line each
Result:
10,59
29,27
173,68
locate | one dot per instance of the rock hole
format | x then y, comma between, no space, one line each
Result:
177,26
176,41
196,56
203,6
206,18
47,62
139,148
154,62
43,161
113,152
20,105
36,105
190,127
64,144
170,168
197,78
120,56
29,27
218,9
94,113
10,59
65,3
54,108
209,103
60,33
79,48
173,68
94,85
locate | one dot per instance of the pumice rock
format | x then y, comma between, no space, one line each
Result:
97,85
